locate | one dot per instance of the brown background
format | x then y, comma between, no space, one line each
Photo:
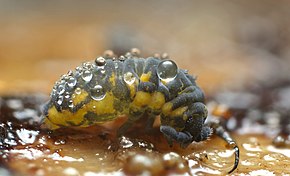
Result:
225,43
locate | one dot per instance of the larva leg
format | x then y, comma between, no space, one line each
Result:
149,123
193,129
196,115
183,138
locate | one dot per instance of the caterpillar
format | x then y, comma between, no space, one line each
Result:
111,86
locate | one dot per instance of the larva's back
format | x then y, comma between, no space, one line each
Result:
100,91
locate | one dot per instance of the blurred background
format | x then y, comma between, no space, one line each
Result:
226,44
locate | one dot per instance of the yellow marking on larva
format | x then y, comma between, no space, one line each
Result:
103,107
112,79
141,99
48,124
157,101
169,119
167,108
132,88
164,82
175,127
61,118
145,77
178,112
79,97
184,117
66,118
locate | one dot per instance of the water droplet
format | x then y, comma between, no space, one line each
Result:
60,89
78,91
79,69
70,104
128,55
135,52
59,100
53,92
103,71
164,56
67,96
126,143
71,82
62,81
60,142
63,77
98,93
69,73
172,159
129,78
122,58
109,54
99,72
87,65
87,75
100,61
116,65
167,70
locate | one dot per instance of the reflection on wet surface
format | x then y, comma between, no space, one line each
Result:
95,151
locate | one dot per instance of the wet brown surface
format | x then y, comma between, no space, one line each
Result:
95,150
239,51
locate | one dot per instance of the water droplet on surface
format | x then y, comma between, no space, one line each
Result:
109,54
87,75
78,91
71,171
103,71
27,136
128,55
122,58
79,69
87,65
14,104
167,70
62,81
100,61
63,77
226,153
53,92
59,100
135,52
98,93
71,82
129,78
60,89
60,142
283,151
126,143
70,104
116,65
251,147
164,56
67,96
70,73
